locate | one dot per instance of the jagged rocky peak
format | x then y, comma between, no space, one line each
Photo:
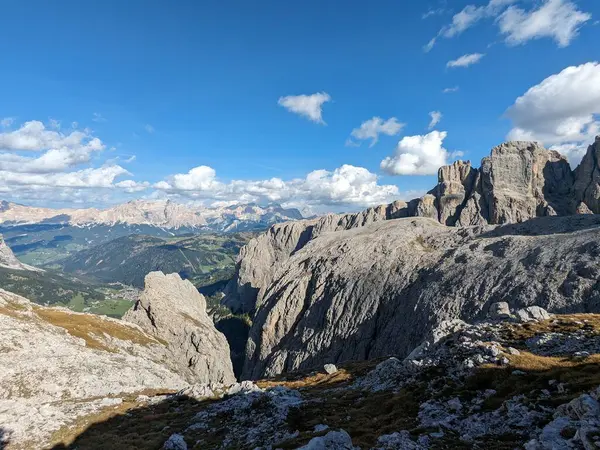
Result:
455,182
587,179
174,311
518,181
522,180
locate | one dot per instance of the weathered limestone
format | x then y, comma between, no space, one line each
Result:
379,290
57,365
174,311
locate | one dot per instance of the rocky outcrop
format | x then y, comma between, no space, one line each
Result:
587,176
57,365
9,261
456,182
377,290
517,182
172,310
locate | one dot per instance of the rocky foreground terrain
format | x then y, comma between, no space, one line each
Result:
516,379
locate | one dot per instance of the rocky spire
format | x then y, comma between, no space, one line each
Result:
174,311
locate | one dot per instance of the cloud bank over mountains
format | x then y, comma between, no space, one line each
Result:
40,163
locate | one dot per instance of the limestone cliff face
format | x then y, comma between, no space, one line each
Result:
517,182
353,286
173,311
259,259
378,290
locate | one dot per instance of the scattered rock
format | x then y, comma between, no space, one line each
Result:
398,440
499,311
334,440
330,369
532,313
175,442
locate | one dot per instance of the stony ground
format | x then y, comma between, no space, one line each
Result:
501,384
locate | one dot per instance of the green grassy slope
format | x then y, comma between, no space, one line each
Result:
204,259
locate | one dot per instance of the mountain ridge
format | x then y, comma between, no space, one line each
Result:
520,180
164,214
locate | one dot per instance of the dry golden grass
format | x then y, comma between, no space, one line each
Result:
90,328
318,380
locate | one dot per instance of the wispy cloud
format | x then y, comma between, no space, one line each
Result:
97,117
465,60
7,122
436,117
556,19
433,12
450,90
149,128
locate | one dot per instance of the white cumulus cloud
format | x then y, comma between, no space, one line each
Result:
372,128
54,172
418,155
561,111
310,106
465,60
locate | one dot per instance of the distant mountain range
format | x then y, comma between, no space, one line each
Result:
163,214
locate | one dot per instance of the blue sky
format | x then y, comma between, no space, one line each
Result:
193,84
